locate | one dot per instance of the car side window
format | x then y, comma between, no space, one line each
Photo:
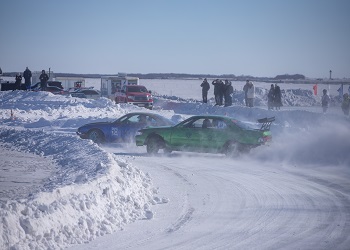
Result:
130,119
188,124
152,122
134,119
218,124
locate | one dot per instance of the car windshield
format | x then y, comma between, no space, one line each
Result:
150,120
137,89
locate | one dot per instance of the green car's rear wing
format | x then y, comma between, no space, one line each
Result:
266,123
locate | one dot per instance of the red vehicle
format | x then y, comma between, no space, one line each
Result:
135,94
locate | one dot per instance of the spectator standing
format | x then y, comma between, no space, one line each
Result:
251,94
27,75
271,97
205,88
228,93
43,80
216,91
221,92
325,101
345,106
18,81
278,97
245,89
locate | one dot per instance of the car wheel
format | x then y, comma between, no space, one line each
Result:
116,101
167,150
153,145
233,149
96,136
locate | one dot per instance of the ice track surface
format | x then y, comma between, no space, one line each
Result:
220,203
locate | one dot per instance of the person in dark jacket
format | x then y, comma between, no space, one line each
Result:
43,80
216,91
18,81
205,88
278,97
325,101
221,92
271,97
228,93
27,75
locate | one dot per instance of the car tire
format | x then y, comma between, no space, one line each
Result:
167,150
153,145
116,101
96,136
233,149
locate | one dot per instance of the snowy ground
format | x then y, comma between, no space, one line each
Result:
59,191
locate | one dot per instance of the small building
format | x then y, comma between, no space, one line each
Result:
71,82
110,84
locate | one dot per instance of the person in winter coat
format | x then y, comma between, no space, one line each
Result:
228,93
205,88
221,92
245,89
345,106
27,75
251,94
18,81
43,80
217,90
278,97
271,97
325,101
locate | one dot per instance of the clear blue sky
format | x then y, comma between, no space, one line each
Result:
247,37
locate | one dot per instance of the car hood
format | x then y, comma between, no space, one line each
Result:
96,123
139,93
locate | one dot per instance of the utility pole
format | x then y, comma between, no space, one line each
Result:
330,75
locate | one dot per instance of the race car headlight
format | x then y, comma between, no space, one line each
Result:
138,133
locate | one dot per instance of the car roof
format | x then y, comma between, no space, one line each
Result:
211,116
142,113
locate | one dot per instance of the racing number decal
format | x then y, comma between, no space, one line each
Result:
115,131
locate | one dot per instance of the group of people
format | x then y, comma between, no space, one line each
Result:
274,97
27,75
223,92
345,105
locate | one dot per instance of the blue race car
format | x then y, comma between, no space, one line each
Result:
123,129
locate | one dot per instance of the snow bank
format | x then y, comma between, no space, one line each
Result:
91,193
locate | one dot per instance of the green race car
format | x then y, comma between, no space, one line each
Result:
206,133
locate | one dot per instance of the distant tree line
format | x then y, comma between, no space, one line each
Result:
290,77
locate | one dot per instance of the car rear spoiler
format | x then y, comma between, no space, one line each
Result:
266,123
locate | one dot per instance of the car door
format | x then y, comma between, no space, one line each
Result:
191,135
125,129
218,133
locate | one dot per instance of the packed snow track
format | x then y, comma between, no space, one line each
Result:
220,203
